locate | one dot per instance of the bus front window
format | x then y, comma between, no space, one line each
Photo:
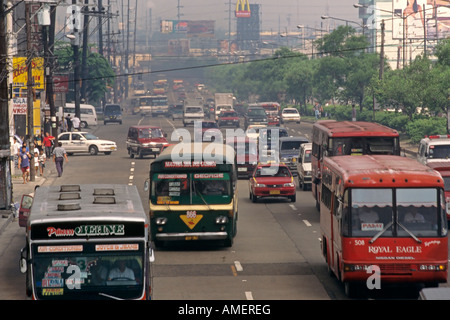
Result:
94,273
418,211
371,212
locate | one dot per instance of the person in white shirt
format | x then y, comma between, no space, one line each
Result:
76,123
121,272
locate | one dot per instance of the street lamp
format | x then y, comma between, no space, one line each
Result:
363,26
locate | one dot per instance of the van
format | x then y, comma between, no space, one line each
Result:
145,140
304,166
192,113
88,115
112,113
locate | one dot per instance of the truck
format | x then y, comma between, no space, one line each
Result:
222,101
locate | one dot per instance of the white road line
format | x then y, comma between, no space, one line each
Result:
130,178
249,295
238,266
307,223
292,207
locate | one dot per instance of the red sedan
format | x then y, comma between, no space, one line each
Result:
228,118
272,180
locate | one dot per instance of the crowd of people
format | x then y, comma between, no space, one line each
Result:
43,151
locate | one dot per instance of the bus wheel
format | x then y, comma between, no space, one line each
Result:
351,289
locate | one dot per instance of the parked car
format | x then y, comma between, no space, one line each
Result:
85,142
192,113
290,151
290,115
112,113
145,140
228,118
304,166
255,115
272,180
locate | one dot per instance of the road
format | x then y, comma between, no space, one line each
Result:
276,253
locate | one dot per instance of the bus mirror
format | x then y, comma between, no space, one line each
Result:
23,261
151,255
146,185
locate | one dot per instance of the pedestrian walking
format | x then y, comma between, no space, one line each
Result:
59,153
69,123
24,164
48,144
16,148
76,123
42,159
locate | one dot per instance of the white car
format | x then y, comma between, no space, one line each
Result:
85,142
290,114
252,131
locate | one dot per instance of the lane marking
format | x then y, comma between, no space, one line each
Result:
238,266
249,295
292,207
233,270
307,223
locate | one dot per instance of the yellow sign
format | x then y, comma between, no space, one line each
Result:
20,74
191,219
242,9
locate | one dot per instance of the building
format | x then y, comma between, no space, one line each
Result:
410,27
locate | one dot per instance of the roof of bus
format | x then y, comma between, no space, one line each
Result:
355,128
442,166
383,170
113,202
208,150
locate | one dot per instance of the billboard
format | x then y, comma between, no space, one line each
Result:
191,28
20,74
413,19
242,9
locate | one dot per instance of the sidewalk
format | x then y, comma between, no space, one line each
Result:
19,189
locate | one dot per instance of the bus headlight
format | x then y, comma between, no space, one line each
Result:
221,220
161,221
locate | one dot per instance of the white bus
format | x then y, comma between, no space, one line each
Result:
79,236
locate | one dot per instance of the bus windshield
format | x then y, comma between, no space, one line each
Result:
362,145
89,271
417,212
193,188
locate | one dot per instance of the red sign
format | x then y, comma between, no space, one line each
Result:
60,83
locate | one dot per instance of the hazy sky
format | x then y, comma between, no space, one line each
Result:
275,13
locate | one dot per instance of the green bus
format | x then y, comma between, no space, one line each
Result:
193,194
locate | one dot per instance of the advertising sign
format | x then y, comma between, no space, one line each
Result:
191,28
20,75
242,9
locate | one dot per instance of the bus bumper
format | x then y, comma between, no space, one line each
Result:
221,235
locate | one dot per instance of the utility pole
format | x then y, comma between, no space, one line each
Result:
76,60
30,118
85,47
5,173
382,51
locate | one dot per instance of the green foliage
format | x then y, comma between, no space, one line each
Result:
420,128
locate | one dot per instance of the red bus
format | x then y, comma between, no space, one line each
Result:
443,167
338,138
384,211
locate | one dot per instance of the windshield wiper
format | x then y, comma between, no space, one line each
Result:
109,296
380,233
388,226
409,232
201,197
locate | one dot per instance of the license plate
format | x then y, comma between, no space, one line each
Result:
191,238
242,169
155,149
274,191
